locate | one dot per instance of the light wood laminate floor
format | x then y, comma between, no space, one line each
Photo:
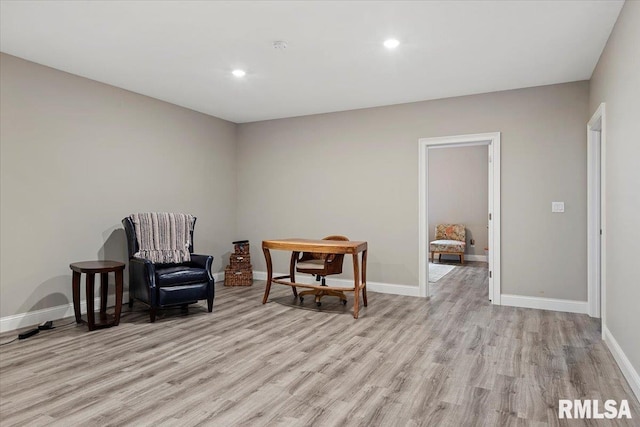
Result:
454,360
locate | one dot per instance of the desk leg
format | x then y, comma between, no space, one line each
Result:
356,284
292,272
267,257
119,291
364,277
104,293
76,296
91,320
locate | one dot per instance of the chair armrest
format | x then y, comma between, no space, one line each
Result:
202,261
143,269
142,280
305,256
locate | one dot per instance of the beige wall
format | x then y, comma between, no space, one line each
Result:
71,148
459,192
356,173
78,156
616,81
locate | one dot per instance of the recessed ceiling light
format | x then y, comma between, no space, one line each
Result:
239,73
391,43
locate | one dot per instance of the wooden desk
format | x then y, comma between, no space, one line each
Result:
91,268
324,247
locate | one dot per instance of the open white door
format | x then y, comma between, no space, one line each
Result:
596,232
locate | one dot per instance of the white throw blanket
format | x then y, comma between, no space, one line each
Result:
163,237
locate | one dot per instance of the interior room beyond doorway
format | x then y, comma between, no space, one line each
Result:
458,194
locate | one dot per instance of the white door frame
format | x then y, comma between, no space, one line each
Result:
596,218
493,141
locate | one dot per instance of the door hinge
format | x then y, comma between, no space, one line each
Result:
601,231
489,216
490,274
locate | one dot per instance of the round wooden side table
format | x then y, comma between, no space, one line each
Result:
90,268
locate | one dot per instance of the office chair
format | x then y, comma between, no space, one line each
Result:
322,265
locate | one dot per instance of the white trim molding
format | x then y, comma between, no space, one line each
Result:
623,362
596,218
569,306
35,317
492,140
383,288
467,257
553,304
471,257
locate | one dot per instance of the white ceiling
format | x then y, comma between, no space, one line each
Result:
184,52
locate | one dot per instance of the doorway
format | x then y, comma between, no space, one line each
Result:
458,194
492,140
596,232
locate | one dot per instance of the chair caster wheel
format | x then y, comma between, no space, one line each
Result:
318,303
344,302
301,300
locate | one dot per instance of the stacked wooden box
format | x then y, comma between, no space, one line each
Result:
239,271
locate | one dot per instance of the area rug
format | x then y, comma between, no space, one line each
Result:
438,271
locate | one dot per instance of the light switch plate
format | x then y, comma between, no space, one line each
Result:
557,207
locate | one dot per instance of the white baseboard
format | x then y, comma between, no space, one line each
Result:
389,288
467,257
33,318
623,362
566,305
384,288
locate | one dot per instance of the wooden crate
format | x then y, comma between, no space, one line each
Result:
233,277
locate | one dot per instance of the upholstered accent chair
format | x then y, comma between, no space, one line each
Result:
321,265
162,285
450,239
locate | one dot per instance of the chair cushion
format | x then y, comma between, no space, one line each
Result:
447,246
311,264
180,275
182,294
450,232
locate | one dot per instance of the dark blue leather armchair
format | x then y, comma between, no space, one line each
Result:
166,285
